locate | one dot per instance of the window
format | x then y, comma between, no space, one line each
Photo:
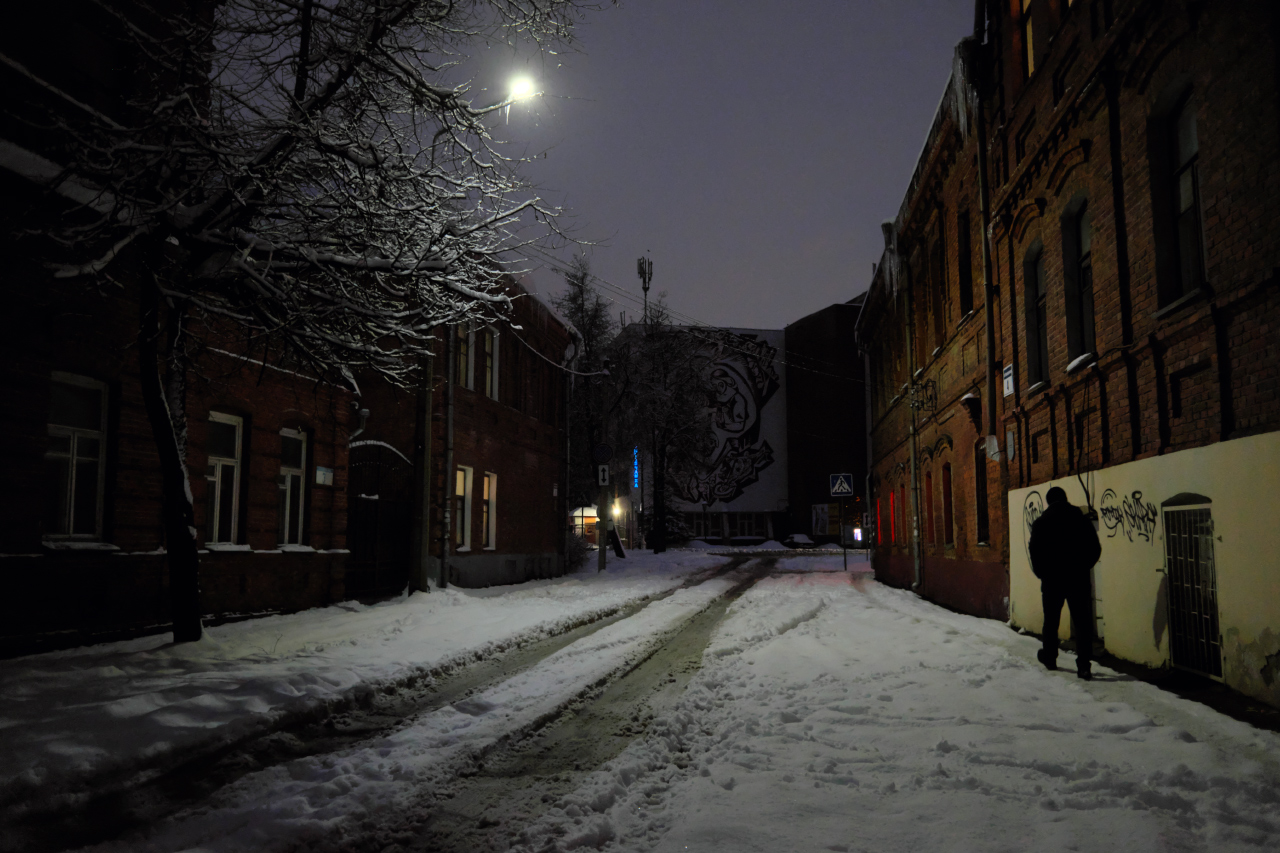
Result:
462,358
1186,194
964,237
222,476
893,518
948,518
75,456
754,524
938,284
1028,40
1037,316
462,508
293,462
983,520
1023,137
879,521
488,511
928,506
1078,251
489,352
905,509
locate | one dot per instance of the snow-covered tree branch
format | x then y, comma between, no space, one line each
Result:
316,177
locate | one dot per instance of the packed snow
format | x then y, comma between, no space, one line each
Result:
833,713
830,713
73,718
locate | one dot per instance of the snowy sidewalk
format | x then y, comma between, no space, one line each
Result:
75,718
836,714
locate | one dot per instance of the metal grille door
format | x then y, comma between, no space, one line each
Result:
1193,591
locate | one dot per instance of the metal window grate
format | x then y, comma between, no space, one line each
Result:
1193,591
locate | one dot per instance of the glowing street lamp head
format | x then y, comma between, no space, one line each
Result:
521,88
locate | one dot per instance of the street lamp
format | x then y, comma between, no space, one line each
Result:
521,88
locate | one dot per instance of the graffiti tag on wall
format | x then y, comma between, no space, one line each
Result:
1130,515
741,371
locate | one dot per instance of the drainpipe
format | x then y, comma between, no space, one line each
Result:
988,290
918,585
867,415
421,556
562,503
449,476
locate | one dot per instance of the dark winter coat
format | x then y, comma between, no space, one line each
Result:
1064,546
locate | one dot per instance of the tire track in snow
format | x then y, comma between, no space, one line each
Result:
337,801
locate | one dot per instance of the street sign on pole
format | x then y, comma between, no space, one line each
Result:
841,485
602,475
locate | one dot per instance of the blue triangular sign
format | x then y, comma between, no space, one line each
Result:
841,485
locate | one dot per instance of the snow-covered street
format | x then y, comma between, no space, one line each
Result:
829,713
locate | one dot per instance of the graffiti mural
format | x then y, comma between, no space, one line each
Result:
1131,515
1032,508
742,372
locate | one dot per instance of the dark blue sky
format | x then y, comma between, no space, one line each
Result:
751,148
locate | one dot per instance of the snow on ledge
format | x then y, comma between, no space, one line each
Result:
1082,361
78,545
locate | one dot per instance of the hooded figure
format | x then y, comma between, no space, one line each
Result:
1064,546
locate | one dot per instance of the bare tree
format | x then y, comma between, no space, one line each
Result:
663,402
305,177
584,307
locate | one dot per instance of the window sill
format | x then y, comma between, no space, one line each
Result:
465,549
296,549
1180,303
225,546
78,545
1082,361
1037,387
491,548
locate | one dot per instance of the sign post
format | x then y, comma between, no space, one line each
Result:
604,518
842,487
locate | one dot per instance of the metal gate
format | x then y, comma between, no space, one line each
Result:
379,520
1193,591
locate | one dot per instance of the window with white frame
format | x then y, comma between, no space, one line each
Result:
462,508
75,456
488,510
488,351
293,462
222,476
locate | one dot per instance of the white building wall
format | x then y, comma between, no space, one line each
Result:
1241,478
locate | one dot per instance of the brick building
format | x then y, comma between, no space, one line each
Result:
1112,163
496,460
81,531
826,420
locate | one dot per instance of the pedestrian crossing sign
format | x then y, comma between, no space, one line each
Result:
841,485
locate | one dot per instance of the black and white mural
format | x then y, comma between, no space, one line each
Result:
743,466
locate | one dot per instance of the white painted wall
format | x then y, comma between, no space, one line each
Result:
1242,479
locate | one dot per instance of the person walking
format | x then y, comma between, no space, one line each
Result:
1063,548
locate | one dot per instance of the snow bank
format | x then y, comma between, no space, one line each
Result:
79,717
322,803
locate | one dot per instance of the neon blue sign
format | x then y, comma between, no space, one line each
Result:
635,468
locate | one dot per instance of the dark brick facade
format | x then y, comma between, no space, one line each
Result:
826,415
1178,360
516,435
